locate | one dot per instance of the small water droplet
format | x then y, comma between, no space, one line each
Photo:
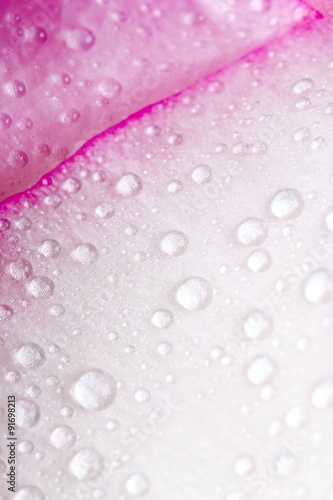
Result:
194,294
174,243
318,287
287,204
261,370
94,390
252,231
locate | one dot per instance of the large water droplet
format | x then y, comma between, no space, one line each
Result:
86,464
94,390
318,287
27,413
287,204
322,394
162,318
129,185
63,437
261,370
252,231
259,261
85,253
194,294
19,269
16,88
137,485
174,243
41,287
29,356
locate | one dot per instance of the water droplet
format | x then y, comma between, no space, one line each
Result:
25,447
86,464
29,493
261,370
252,231
80,38
17,159
259,261
257,325
57,310
164,348
16,88
129,185
244,465
63,437
85,254
71,185
322,394
6,312
162,318
137,485
318,287
20,269
302,134
41,287
201,174
142,396
5,121
296,417
94,390
318,144
29,356
50,248
194,294
175,139
174,243
287,204
27,413
104,210
329,219
303,86
4,225
70,116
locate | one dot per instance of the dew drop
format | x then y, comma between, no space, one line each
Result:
142,396
302,134
174,243
50,248
252,231
71,185
194,294
244,465
137,485
259,261
94,390
287,204
164,348
296,417
5,121
104,210
162,318
57,310
41,287
85,253
70,116
261,370
16,88
257,325
129,185
80,38
201,174
20,269
63,437
27,413
86,464
329,219
17,159
318,287
303,86
175,186
322,394
29,356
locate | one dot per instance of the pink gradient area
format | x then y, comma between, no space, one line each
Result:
70,70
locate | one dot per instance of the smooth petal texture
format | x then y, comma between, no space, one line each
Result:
130,269
70,70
